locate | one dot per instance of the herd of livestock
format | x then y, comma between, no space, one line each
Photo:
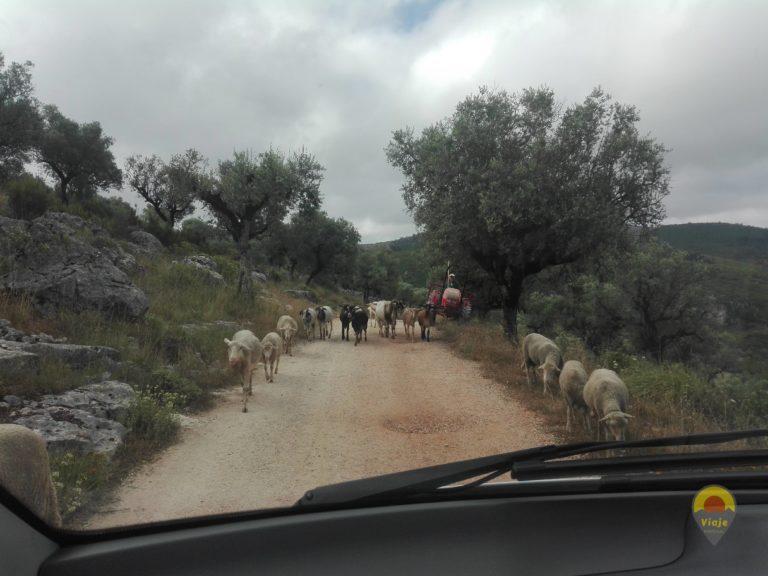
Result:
601,395
246,351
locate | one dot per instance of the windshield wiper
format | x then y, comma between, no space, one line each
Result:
534,463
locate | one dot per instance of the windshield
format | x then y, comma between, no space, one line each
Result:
253,248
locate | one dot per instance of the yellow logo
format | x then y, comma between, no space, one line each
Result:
714,509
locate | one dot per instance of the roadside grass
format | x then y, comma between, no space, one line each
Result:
665,399
174,357
76,478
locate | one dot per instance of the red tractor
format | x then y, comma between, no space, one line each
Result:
448,299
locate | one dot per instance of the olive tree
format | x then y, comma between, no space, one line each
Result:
517,183
69,150
251,193
19,117
168,188
318,244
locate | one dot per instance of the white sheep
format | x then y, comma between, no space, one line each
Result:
540,353
272,348
606,396
573,377
25,472
287,328
244,354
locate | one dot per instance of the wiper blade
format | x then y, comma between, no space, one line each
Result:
429,479
543,469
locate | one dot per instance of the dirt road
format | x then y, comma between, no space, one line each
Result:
334,413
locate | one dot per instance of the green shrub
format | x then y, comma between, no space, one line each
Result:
151,419
198,232
28,197
167,381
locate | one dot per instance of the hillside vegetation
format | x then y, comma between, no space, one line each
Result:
731,241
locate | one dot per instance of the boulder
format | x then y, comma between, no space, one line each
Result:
57,261
12,400
14,361
72,430
122,259
8,332
76,356
81,420
146,243
207,268
202,260
109,399
258,276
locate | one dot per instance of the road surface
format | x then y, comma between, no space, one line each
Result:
335,412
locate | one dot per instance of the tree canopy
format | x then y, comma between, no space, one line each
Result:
517,183
20,121
168,188
318,244
69,150
253,192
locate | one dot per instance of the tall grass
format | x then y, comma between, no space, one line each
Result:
665,399
53,376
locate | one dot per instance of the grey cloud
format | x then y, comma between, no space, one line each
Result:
337,78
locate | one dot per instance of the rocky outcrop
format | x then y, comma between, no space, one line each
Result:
83,420
304,294
21,353
216,324
76,356
146,243
206,266
8,332
14,362
61,261
258,276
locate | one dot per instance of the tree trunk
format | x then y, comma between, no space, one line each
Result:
63,191
244,280
312,275
510,304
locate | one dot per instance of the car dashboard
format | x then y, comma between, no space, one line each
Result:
648,533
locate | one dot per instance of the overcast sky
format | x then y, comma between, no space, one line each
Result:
339,77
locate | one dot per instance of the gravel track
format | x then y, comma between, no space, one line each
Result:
334,413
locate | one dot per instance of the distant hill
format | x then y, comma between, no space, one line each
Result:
412,242
732,241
